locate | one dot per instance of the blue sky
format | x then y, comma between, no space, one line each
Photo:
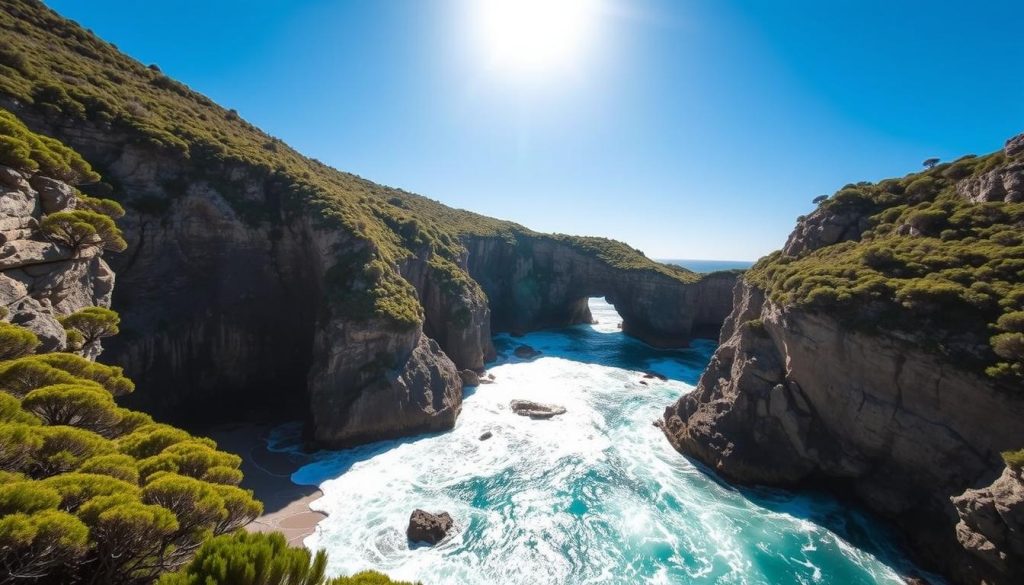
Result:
688,128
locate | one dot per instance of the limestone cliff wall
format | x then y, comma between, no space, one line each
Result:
229,308
41,280
535,282
797,398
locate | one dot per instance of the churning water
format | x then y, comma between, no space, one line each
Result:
595,496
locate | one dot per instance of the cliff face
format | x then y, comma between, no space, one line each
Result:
802,393
41,280
259,282
222,314
538,281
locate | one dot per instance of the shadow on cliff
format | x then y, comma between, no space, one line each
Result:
847,520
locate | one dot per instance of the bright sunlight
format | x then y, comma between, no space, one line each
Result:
535,35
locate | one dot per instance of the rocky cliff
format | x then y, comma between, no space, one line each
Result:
259,282
870,378
42,280
536,281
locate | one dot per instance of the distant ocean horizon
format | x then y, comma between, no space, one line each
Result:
705,266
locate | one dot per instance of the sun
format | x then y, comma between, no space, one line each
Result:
533,35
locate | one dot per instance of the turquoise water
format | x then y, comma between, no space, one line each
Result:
704,266
596,496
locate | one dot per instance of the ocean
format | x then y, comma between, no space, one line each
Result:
595,496
705,266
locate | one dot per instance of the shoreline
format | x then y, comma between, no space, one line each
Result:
268,475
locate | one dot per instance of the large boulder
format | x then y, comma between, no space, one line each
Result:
469,378
525,352
1015,145
991,523
54,195
536,410
427,527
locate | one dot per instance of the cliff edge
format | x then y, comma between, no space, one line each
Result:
259,283
878,355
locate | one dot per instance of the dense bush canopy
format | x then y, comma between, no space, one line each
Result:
262,559
934,265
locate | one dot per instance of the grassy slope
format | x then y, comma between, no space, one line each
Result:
64,71
955,282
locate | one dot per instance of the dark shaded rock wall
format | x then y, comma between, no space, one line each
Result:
795,398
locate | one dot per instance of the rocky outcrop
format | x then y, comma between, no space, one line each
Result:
427,527
536,410
1003,183
1014,146
459,318
991,526
797,398
227,312
536,282
825,226
42,280
228,308
389,392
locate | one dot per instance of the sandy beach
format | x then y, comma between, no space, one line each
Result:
267,474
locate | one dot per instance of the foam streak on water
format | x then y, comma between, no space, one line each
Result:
596,496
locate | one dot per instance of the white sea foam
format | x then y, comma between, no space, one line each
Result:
595,496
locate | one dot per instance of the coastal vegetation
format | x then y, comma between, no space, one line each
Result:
930,260
90,491
60,71
93,492
262,559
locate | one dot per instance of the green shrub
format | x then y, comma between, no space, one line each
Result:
92,323
107,207
1014,459
80,229
262,559
961,293
21,376
30,152
16,341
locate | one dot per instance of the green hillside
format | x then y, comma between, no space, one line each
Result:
932,264
62,71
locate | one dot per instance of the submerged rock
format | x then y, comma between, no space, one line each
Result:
536,410
469,378
427,527
486,435
526,352
655,376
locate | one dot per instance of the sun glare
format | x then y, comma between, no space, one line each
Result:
535,35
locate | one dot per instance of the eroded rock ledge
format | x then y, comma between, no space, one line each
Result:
794,398
41,280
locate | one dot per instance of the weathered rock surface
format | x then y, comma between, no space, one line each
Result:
1014,146
991,523
1003,183
419,392
806,400
469,378
427,527
525,352
228,312
540,282
40,280
536,410
824,227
